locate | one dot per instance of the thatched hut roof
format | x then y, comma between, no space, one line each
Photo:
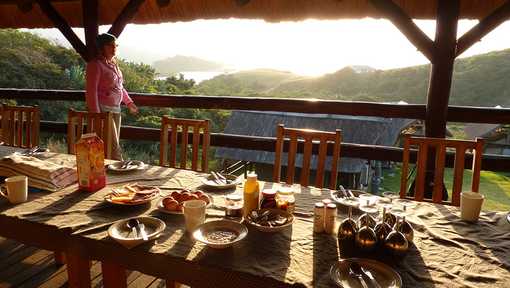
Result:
355,129
27,14
488,131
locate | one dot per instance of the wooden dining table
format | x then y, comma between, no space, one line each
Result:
446,252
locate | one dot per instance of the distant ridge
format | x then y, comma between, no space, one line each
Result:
180,63
481,80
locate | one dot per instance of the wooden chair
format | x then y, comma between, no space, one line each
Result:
309,136
168,153
439,145
81,122
20,126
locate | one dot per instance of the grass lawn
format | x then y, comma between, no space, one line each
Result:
494,185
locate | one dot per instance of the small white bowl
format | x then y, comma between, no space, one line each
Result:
201,233
123,234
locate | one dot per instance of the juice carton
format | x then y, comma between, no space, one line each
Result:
90,162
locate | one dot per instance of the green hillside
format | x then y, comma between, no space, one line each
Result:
251,82
478,81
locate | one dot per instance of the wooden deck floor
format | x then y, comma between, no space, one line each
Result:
26,266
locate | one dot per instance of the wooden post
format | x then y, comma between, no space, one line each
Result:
90,23
442,68
114,275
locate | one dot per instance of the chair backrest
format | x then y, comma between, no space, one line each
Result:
309,136
81,122
439,145
20,126
170,128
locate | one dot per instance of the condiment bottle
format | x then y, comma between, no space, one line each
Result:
318,217
330,218
251,194
285,199
234,206
268,199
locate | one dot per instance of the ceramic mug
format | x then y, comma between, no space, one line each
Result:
15,189
194,214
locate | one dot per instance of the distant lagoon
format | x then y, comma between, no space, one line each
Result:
199,76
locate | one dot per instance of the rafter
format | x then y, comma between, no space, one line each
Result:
483,27
406,25
90,10
125,16
62,25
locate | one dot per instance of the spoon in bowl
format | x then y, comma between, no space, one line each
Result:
133,224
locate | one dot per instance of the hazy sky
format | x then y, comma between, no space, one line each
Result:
310,47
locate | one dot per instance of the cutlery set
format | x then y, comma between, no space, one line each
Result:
220,179
356,271
138,228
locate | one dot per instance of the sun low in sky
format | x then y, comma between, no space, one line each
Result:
309,47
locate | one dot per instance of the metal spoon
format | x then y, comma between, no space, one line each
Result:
133,224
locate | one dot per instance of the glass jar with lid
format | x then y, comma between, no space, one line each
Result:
234,206
285,199
268,199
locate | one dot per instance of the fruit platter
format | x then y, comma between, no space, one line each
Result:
172,204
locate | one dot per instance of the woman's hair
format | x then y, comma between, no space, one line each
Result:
104,39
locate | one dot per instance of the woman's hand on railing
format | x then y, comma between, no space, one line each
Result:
133,109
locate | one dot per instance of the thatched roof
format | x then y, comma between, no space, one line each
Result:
473,130
30,15
355,129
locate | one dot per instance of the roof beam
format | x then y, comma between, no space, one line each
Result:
406,25
62,25
90,10
483,27
125,16
441,71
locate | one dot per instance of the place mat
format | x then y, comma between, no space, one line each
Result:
447,252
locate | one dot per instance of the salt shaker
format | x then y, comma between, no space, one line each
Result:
318,219
330,218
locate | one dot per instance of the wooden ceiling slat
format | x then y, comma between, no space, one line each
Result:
270,10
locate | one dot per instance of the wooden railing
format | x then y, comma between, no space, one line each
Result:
372,152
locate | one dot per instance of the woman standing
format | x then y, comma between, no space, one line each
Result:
105,91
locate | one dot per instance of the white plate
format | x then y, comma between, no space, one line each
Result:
200,234
123,234
385,276
209,182
346,201
162,208
135,165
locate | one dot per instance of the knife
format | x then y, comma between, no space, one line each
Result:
371,277
141,226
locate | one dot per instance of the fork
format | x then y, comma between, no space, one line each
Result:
126,164
357,274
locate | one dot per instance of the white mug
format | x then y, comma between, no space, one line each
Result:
470,205
17,189
194,213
